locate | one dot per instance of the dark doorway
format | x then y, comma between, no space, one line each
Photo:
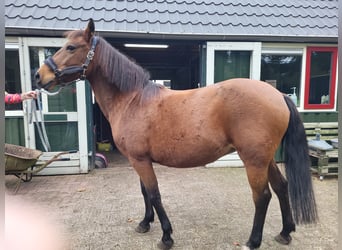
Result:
179,62
178,65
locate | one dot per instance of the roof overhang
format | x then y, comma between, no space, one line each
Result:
25,31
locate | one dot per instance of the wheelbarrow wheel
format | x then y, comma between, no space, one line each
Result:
26,177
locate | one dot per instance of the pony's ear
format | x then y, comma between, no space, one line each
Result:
89,31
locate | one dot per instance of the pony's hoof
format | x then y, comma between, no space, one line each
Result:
283,239
165,245
142,229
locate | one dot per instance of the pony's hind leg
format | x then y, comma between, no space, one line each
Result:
257,177
280,187
153,199
144,225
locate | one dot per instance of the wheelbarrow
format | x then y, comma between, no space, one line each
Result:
23,162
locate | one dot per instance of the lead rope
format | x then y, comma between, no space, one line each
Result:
41,125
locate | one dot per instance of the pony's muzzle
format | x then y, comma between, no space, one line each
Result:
38,81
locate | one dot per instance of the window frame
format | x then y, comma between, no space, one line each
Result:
255,60
333,79
290,49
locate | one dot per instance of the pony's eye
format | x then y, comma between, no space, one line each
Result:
71,47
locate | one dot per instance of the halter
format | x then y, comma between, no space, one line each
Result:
71,69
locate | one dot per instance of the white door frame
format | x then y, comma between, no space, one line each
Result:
79,162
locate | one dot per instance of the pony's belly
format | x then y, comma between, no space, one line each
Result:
186,158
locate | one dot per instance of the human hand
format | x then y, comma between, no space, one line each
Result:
29,95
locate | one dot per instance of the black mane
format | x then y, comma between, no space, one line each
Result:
122,72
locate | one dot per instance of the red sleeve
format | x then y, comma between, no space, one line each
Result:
12,98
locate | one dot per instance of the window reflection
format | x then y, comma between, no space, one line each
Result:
283,72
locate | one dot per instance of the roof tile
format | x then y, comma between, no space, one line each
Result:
307,18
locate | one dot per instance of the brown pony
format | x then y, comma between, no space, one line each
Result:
191,128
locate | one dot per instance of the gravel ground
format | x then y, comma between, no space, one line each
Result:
209,208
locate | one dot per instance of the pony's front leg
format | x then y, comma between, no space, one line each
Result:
152,197
144,225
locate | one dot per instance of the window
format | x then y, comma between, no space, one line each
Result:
231,64
283,71
14,131
14,122
226,60
12,76
320,83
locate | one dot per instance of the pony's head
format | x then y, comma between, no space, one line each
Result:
72,61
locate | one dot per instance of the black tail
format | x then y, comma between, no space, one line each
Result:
297,168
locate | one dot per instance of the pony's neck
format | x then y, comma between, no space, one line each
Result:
116,80
110,100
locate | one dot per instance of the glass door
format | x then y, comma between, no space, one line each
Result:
65,115
59,111
227,60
